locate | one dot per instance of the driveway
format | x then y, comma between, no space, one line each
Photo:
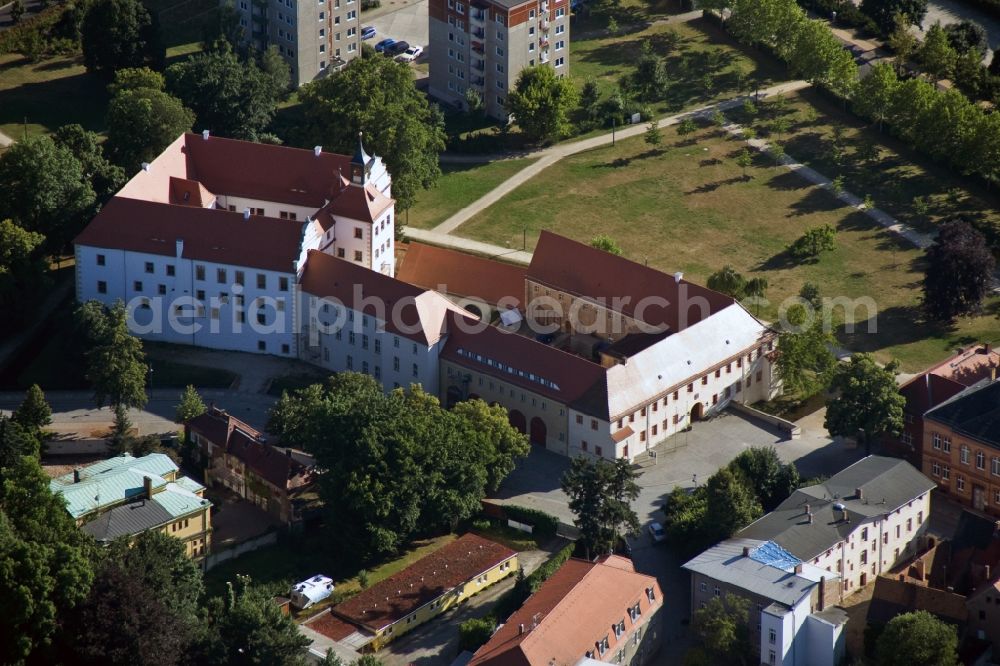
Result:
408,24
953,11
436,643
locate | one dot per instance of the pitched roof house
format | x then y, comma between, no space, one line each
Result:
600,610
239,457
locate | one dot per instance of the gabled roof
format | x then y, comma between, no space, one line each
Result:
395,597
111,481
767,570
126,520
975,412
421,313
362,203
209,234
184,192
570,612
885,483
583,270
247,444
461,274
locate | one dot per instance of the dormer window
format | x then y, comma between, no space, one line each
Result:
603,646
619,628
651,594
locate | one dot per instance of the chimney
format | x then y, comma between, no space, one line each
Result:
987,573
147,487
746,551
859,494
844,516
822,593
677,277
180,248
145,166
76,475
798,568
204,135
520,629
808,509
809,518
317,150
246,213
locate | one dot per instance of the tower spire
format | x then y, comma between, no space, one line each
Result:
360,163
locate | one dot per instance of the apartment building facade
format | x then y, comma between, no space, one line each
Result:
484,44
315,38
961,446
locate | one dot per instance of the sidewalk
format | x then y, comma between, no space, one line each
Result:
553,154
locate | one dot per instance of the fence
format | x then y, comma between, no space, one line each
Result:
216,558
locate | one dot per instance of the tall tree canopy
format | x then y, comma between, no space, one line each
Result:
884,12
396,463
34,412
805,359
229,96
117,34
45,190
376,95
959,272
142,118
116,365
600,496
867,399
541,103
105,177
724,629
23,273
917,639
769,478
45,558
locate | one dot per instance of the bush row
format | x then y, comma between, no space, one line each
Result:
847,14
545,525
52,30
526,586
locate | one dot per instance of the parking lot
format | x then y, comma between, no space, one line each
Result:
408,24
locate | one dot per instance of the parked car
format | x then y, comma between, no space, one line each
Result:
396,48
656,533
385,45
368,32
411,54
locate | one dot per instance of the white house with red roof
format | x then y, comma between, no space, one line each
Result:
207,243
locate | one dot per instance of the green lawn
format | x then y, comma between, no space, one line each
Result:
459,185
168,374
296,558
48,94
900,181
687,207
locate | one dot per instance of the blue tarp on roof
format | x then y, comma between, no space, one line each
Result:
772,554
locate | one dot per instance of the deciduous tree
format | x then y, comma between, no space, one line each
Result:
867,403
813,243
117,34
23,273
600,496
116,364
541,102
730,505
959,272
936,53
104,177
875,93
917,639
606,243
884,12
724,629
761,469
377,96
804,359
728,281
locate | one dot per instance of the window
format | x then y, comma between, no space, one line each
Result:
964,455
220,276
239,278
199,272
261,281
357,255
560,12
499,51
137,285
980,460
200,294
102,287
946,444
357,232
579,419
560,45
995,466
593,424
959,484
149,266
170,270
261,318
599,452
772,636
350,363
261,345
945,472
560,29
935,469
161,289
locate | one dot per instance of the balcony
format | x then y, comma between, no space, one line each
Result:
478,81
478,46
544,24
477,15
545,57
479,65
544,43
479,33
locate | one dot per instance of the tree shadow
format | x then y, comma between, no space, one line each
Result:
712,161
890,327
711,187
816,200
788,181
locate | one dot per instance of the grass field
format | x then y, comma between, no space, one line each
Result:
900,181
459,185
687,207
48,94
296,558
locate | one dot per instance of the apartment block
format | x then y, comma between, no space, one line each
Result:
484,45
315,37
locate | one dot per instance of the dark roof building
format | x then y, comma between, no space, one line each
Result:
973,413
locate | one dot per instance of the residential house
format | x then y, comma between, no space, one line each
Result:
239,457
602,611
430,586
314,38
792,618
482,45
962,446
207,243
932,387
126,496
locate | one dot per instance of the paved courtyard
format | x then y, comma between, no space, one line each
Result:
408,24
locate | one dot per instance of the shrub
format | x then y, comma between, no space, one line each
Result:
474,633
545,525
370,4
34,32
813,242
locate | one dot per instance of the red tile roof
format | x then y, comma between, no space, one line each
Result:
461,274
569,613
331,626
357,203
419,314
395,597
567,376
243,442
583,270
949,377
208,234
184,192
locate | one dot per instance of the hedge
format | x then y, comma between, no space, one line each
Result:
42,23
847,14
525,587
545,525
